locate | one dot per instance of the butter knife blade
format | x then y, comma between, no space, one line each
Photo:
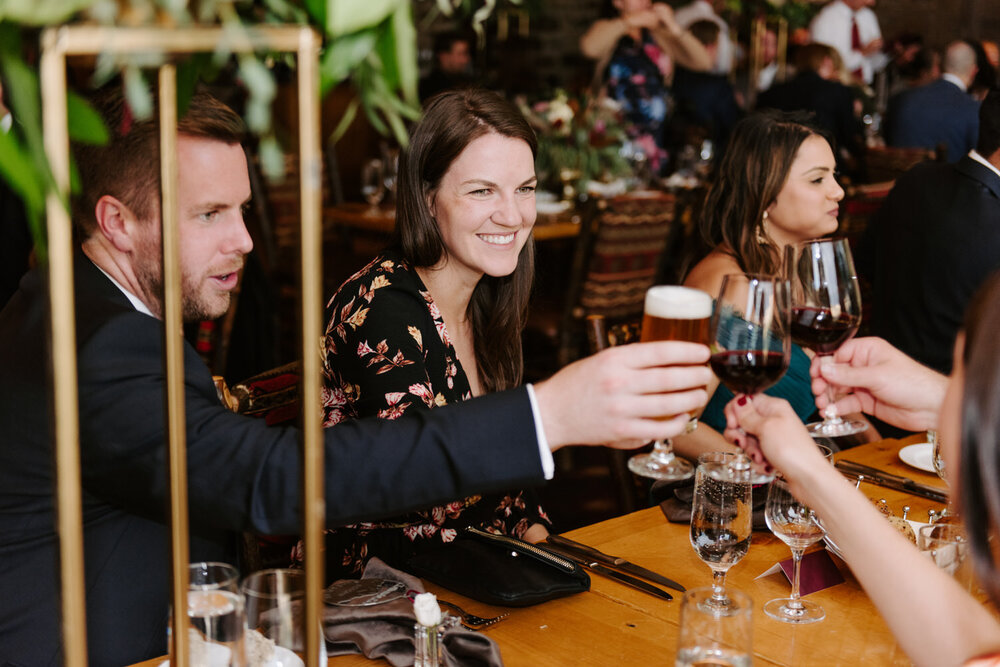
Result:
626,579
613,561
893,481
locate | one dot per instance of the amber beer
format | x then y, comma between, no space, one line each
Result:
679,313
676,313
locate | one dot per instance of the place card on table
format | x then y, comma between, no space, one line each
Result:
818,571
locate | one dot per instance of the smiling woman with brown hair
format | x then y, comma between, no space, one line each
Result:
437,318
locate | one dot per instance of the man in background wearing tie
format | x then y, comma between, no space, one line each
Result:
851,27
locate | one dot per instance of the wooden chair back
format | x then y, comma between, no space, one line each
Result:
619,255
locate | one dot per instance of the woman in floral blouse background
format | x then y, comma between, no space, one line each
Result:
437,318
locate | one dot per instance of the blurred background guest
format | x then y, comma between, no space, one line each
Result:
703,10
852,28
437,318
816,87
706,102
636,52
933,243
452,66
939,115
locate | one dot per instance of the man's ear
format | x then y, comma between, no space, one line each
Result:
116,222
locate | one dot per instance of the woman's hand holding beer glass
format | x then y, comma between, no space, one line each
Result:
672,313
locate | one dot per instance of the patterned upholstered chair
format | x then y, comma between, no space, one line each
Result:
621,251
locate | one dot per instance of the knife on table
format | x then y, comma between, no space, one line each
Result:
891,481
586,552
626,579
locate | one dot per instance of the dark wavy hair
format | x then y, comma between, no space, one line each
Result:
499,306
979,490
761,150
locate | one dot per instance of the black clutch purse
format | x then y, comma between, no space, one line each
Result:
500,570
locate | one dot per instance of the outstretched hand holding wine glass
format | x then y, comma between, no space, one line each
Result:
826,311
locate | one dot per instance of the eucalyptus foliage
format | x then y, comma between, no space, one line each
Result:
372,43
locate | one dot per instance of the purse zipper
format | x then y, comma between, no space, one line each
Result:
520,545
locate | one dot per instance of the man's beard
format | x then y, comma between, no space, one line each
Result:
192,309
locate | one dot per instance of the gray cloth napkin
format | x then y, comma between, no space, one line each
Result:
386,630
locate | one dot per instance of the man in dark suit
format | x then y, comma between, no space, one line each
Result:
706,100
815,88
939,113
242,475
933,243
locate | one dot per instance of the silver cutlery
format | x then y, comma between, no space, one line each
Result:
588,552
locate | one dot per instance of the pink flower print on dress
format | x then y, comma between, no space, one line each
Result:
448,534
423,391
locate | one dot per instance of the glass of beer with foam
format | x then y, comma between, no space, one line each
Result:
677,313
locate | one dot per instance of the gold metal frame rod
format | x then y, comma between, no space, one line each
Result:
69,504
314,500
173,361
91,40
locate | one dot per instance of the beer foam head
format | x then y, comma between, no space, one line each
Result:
673,302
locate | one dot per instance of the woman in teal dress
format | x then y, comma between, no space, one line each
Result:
775,186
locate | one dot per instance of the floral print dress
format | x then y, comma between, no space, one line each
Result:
386,352
636,77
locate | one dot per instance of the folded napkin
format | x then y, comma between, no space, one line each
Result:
386,630
675,499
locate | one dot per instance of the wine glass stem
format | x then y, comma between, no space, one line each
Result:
796,567
719,585
830,415
663,451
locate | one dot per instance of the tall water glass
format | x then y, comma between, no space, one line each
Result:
711,637
275,602
216,621
672,313
721,518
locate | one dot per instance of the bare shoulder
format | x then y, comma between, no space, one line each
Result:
708,273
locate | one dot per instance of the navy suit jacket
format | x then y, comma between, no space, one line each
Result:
831,101
927,250
242,475
936,113
707,100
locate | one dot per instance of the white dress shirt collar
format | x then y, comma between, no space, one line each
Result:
983,161
133,299
948,76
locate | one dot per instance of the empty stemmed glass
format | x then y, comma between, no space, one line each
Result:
795,524
671,313
826,311
721,517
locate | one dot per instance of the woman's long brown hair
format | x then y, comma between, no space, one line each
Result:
499,306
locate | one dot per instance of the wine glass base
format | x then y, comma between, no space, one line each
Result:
807,612
836,429
647,465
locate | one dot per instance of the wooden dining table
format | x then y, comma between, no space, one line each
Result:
613,624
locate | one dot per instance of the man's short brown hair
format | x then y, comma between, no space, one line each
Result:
128,166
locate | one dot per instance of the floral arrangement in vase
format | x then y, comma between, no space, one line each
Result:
580,139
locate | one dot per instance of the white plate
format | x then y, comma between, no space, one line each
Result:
551,207
920,455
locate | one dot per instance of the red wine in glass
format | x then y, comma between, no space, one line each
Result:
822,331
749,371
826,311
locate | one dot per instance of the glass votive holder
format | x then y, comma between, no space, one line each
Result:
713,635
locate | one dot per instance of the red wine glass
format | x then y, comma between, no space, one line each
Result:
751,344
826,312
